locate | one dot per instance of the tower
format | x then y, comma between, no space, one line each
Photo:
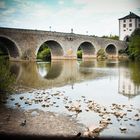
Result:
127,25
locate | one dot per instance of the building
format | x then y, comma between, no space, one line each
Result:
127,25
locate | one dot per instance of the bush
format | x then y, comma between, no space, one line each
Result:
101,54
134,45
79,54
7,79
44,53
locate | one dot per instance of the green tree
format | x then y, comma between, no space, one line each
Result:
44,53
134,45
79,53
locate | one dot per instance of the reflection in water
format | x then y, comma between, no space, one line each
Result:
55,70
85,67
50,70
15,69
43,68
129,79
67,82
60,73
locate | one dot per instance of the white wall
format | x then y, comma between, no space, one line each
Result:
124,31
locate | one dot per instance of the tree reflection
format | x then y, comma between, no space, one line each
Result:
135,72
7,78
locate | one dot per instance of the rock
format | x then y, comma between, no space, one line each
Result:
12,99
66,106
26,102
43,105
23,123
136,115
65,98
123,128
138,119
131,124
108,119
79,134
56,94
83,96
21,98
129,110
30,103
70,102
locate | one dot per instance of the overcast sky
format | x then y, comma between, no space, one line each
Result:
93,17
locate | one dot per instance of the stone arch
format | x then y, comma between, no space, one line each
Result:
56,49
11,47
111,49
87,48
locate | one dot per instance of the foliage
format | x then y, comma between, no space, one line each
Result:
134,45
115,37
44,53
79,54
7,79
101,54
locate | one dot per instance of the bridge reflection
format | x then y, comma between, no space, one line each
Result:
68,72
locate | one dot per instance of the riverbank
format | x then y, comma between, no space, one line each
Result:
37,122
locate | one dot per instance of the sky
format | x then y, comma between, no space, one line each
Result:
91,17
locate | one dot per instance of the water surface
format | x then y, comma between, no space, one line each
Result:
69,82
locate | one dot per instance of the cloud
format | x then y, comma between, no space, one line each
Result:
2,5
61,2
98,17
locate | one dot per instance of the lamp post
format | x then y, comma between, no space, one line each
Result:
50,28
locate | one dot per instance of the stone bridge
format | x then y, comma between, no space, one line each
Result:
23,44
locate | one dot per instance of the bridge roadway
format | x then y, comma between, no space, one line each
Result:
23,44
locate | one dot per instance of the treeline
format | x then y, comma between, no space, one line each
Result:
133,50
115,37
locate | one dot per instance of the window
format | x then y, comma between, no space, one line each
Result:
124,30
139,25
130,29
130,25
124,20
130,20
124,25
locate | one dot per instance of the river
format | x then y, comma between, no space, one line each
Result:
98,89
